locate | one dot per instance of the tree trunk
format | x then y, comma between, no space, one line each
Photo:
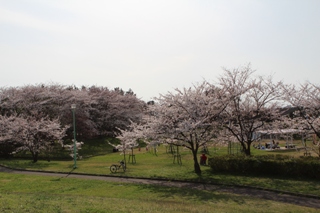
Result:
246,149
197,168
125,160
247,152
35,157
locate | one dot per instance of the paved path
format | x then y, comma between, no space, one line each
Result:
313,202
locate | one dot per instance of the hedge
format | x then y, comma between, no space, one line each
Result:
282,165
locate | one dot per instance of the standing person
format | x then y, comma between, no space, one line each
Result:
203,159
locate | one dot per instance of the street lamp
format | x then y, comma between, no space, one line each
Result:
73,108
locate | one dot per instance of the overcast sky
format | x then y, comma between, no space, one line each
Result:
154,46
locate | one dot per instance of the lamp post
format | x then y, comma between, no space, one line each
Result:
73,108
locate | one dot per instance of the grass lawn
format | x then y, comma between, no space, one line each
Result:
161,165
29,193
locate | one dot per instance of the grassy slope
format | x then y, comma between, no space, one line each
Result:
28,193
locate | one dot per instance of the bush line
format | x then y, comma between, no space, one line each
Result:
281,165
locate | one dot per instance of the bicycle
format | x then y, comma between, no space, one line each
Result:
115,167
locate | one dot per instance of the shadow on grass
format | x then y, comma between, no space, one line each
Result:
59,178
192,194
275,182
27,164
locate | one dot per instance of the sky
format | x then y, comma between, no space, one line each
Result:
155,46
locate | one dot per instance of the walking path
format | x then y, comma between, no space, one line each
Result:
309,201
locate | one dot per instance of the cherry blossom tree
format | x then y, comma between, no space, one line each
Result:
86,127
38,136
9,128
128,140
36,101
305,100
99,112
30,134
113,110
253,102
187,117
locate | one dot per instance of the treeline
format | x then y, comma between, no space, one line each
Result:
34,116
99,110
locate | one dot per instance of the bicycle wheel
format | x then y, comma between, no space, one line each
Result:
113,168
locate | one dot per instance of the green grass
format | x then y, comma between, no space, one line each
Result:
29,193
161,166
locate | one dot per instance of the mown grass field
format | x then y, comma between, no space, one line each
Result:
29,193
21,193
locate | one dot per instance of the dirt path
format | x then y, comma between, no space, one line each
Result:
312,202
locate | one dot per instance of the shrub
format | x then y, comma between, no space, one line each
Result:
308,167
